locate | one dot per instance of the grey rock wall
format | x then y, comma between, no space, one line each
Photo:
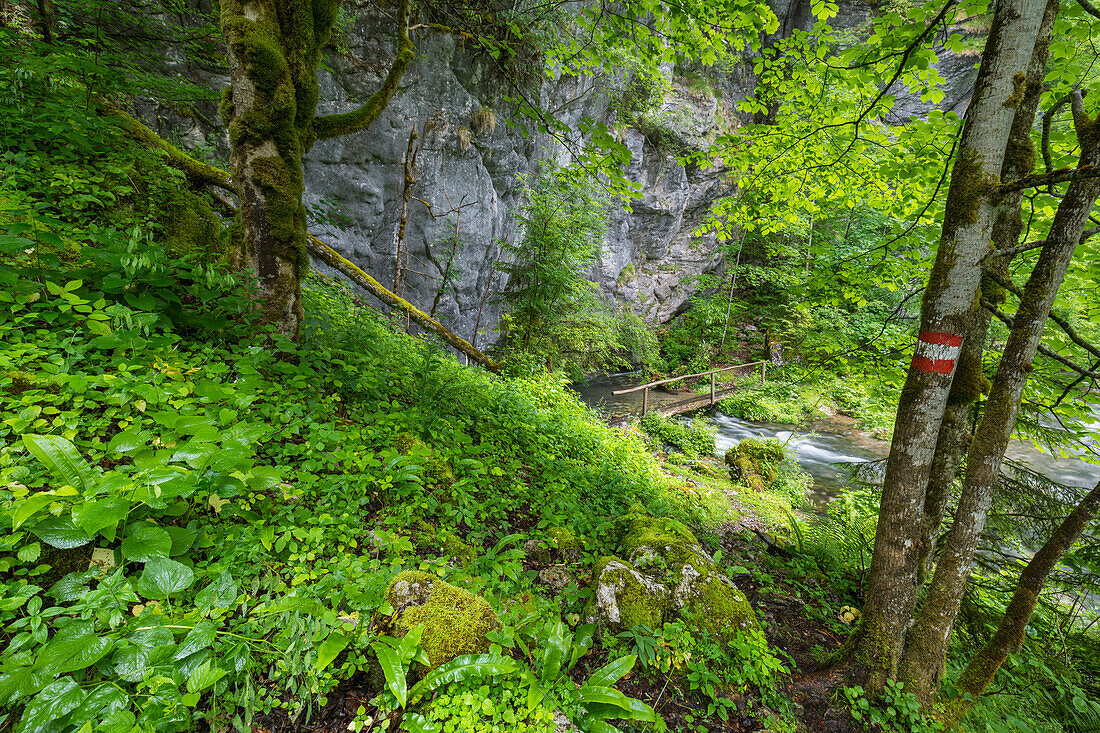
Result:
469,179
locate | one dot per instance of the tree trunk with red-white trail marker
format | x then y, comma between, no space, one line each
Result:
874,651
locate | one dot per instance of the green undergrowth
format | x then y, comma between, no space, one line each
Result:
692,438
204,518
794,395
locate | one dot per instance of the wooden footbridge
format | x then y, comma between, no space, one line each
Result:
696,401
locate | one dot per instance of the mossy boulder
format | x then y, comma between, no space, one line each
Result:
667,573
712,600
564,543
623,597
660,542
455,621
755,463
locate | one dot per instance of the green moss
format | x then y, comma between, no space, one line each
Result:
970,382
637,604
720,609
190,225
968,185
755,463
640,530
626,275
429,537
437,469
563,539
992,291
455,621
1019,89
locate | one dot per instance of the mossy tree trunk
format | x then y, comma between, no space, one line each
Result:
929,638
874,652
981,670
270,109
969,382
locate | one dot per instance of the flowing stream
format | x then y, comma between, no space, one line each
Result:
825,448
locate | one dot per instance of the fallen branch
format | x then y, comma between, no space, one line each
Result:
332,258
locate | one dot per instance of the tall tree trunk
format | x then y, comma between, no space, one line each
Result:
968,221
928,640
970,383
1010,632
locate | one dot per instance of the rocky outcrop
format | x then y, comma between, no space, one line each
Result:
755,463
470,164
666,573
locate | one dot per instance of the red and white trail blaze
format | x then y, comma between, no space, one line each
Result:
937,352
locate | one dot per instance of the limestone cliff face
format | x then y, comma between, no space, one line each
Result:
468,174
468,180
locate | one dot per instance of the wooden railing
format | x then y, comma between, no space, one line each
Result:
713,394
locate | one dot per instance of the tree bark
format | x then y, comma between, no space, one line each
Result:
876,648
970,383
274,49
1010,632
929,637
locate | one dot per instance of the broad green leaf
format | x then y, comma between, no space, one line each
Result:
463,668
102,702
590,724
200,637
57,700
612,672
205,676
553,651
60,532
62,458
29,553
145,541
129,440
26,508
163,577
293,603
262,478
21,682
102,514
394,669
69,588
607,702
221,593
330,648
74,647
183,539
121,721
267,537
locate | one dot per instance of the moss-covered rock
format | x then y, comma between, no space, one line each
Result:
755,463
565,544
661,543
667,572
624,597
455,621
711,599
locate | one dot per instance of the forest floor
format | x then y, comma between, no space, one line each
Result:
797,610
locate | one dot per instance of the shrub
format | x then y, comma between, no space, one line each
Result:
755,463
693,438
